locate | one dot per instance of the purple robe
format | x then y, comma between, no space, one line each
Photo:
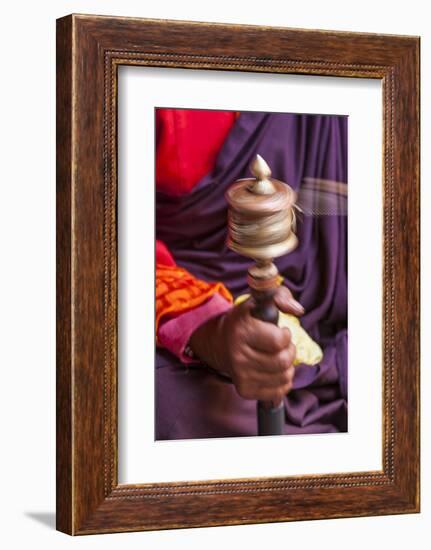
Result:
196,402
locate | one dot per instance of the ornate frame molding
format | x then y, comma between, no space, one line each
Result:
89,498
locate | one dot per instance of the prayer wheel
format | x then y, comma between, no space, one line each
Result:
261,224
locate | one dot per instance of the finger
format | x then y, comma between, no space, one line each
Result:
273,381
286,357
266,337
286,302
269,364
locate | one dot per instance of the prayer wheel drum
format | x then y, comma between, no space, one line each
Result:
261,215
261,223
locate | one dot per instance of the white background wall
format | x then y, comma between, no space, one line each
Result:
27,285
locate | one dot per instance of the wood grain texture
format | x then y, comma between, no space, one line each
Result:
64,497
89,51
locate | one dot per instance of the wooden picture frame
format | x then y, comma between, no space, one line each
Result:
89,51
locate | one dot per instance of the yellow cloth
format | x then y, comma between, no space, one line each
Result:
307,351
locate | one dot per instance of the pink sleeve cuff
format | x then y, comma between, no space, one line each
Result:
175,334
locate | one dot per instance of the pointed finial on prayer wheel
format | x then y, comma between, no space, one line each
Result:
262,185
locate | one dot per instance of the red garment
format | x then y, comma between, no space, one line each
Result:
163,256
188,141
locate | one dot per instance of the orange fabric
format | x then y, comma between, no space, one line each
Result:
177,291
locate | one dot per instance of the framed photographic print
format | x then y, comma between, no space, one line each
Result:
237,274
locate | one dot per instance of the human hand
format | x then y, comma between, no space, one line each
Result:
258,356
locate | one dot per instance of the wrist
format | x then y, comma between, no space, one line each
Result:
206,344
175,334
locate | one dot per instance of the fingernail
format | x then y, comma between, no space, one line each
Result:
296,306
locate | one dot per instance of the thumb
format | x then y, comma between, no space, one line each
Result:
286,302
